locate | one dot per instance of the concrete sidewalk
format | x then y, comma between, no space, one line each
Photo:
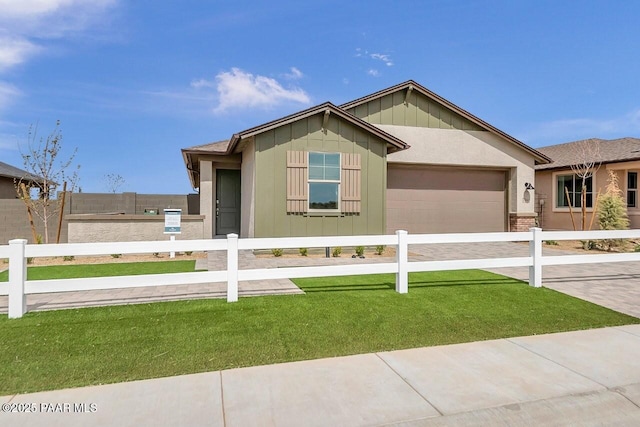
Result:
574,378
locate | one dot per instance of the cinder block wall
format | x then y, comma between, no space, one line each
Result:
15,223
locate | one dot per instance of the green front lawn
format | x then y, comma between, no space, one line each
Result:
337,316
104,270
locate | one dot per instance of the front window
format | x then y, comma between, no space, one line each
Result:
568,191
324,181
632,189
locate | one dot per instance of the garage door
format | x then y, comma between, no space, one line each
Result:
451,200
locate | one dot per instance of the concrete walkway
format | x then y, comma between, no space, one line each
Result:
584,378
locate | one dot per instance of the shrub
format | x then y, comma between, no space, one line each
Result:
277,252
304,251
612,211
116,255
379,249
360,250
636,248
68,257
188,253
551,242
336,251
156,254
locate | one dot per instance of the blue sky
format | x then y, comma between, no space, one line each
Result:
133,82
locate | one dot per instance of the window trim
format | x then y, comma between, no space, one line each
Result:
634,190
331,181
554,184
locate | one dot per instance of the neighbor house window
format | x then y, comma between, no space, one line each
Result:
572,184
324,181
632,189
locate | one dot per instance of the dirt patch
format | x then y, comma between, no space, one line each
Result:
578,246
389,251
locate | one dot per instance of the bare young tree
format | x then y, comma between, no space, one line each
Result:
114,181
46,170
589,159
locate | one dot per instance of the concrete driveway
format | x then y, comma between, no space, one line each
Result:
613,285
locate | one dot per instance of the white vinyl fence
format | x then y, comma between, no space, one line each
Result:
18,251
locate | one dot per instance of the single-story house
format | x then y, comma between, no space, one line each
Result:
401,158
8,177
620,155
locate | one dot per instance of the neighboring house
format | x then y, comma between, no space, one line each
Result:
402,158
620,155
8,177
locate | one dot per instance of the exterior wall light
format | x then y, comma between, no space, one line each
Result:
528,186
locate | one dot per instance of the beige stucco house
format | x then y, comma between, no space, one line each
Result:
552,204
401,158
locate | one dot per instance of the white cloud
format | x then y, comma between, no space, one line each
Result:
373,72
295,74
22,22
14,51
566,130
239,89
7,94
382,57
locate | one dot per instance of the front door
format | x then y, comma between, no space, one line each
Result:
227,206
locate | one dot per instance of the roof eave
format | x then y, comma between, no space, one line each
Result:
539,157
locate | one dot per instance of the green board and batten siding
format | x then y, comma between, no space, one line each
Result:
419,111
272,219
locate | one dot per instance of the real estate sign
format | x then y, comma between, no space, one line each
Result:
172,219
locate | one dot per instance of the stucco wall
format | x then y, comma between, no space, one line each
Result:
271,218
129,228
469,148
552,218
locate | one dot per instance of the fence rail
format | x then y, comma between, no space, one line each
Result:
18,251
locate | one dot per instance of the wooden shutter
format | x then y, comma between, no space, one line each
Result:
297,181
351,178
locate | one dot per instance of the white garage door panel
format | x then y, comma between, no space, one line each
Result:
430,200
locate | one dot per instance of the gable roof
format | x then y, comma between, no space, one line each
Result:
410,84
224,148
9,171
613,150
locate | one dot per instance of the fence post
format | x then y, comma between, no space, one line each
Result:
402,259
232,267
535,252
17,277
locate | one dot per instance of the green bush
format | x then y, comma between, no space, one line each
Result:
304,251
277,252
116,255
336,251
188,253
612,212
551,242
68,257
379,249
360,250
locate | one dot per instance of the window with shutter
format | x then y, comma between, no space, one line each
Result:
323,182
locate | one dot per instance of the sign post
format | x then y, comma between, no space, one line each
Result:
172,219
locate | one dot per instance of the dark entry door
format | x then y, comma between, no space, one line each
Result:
227,201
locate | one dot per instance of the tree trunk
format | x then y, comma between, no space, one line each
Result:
583,198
